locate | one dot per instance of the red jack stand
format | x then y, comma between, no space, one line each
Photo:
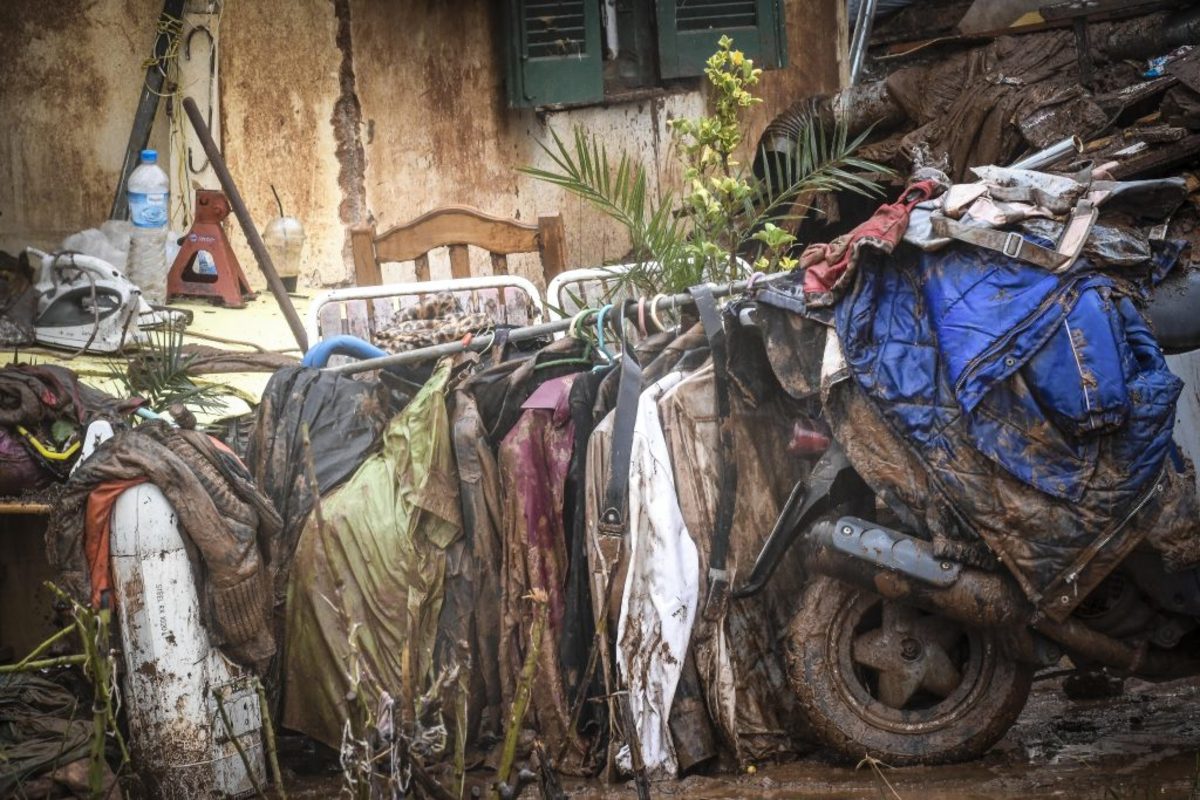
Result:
206,265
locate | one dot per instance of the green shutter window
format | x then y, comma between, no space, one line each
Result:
688,31
553,52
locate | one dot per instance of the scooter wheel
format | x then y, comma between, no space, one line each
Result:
879,678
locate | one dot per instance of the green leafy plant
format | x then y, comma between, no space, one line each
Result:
724,213
159,373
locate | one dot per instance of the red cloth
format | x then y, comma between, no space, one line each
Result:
97,532
829,267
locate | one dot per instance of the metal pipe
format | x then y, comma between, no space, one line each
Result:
862,35
1044,158
978,598
1078,639
167,30
989,600
243,215
517,334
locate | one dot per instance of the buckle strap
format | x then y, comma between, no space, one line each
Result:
1008,243
718,587
615,517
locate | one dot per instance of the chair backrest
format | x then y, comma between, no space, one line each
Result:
457,227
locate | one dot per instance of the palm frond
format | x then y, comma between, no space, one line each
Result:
819,162
620,191
160,374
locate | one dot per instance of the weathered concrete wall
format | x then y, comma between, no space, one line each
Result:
418,85
353,109
68,89
279,84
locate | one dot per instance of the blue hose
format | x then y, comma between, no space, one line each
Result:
344,345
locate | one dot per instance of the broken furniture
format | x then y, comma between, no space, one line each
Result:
206,265
457,227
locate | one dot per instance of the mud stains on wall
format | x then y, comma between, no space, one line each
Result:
353,109
347,124
280,82
68,89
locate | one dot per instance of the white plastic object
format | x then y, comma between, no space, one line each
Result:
284,238
148,191
180,743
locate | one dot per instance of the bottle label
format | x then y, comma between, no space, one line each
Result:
148,210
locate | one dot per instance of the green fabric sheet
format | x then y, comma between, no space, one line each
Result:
366,587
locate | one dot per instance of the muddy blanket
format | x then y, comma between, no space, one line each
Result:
220,512
1060,504
42,726
368,580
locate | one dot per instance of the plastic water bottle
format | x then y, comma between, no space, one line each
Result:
148,191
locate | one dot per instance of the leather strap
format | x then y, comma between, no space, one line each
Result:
1009,243
1075,233
615,516
718,576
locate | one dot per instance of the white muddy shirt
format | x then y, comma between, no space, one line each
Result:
658,604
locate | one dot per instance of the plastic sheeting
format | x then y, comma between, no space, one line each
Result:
344,418
366,587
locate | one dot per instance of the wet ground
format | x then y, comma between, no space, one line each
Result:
1144,744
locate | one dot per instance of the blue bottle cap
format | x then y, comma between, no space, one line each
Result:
150,156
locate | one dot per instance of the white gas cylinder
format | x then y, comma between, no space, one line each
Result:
180,744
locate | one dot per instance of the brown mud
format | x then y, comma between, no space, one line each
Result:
1143,744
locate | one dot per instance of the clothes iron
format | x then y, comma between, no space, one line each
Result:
85,303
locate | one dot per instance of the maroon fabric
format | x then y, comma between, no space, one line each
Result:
829,267
19,472
534,459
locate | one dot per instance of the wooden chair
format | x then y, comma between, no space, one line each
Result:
457,227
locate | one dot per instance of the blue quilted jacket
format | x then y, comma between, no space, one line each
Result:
1043,367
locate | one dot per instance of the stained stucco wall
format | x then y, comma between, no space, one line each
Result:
353,109
68,89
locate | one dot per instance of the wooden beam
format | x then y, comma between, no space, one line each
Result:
366,266
552,244
460,261
23,507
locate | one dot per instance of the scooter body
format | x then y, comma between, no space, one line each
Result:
917,659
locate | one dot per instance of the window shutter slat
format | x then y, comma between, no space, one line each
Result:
689,30
553,52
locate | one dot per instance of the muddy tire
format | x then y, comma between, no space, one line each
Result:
906,687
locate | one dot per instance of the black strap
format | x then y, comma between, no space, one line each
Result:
615,516
718,575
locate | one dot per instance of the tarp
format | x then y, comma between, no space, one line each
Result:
916,322
366,587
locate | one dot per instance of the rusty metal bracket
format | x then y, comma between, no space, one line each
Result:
890,549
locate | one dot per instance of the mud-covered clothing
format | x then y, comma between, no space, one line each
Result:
367,582
738,647
473,610
344,418
533,461
1039,405
220,512
658,604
